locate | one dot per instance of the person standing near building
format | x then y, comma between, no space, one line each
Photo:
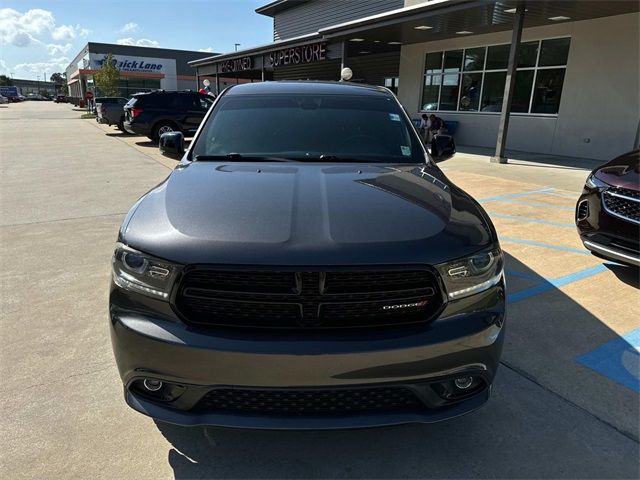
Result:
436,126
424,126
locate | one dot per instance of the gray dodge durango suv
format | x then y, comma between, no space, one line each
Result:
306,265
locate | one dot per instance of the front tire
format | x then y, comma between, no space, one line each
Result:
163,127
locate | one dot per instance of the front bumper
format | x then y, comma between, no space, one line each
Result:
605,235
466,339
136,128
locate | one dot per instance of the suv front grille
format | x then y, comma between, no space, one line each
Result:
309,299
623,203
310,402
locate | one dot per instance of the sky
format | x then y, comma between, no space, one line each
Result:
38,37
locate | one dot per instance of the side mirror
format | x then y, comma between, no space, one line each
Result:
172,144
442,147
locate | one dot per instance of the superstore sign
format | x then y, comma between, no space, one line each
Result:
313,52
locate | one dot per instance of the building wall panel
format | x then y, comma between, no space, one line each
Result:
309,17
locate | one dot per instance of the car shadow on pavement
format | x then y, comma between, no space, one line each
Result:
118,133
147,143
628,275
533,415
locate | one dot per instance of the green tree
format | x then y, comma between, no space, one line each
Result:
107,77
60,79
5,81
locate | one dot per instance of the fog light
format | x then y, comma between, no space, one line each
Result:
152,385
463,382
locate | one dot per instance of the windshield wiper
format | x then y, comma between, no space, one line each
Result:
242,158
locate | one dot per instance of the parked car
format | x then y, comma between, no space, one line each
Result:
307,265
608,211
155,113
3,99
110,110
60,99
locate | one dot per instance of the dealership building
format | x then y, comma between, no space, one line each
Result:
545,76
141,69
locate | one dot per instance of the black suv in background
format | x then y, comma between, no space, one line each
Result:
155,113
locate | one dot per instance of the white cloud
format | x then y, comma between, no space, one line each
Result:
54,65
54,49
64,32
130,28
207,50
69,32
22,29
141,42
19,29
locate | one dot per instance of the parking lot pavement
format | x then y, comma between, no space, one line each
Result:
565,403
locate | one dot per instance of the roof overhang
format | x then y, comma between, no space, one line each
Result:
270,9
441,19
126,74
269,47
435,20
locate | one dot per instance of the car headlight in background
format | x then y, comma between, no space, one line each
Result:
471,275
595,182
142,273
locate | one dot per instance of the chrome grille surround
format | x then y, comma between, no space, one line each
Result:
622,203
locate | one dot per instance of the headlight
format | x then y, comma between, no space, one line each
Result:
594,182
142,273
471,275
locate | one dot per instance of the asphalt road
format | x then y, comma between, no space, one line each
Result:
66,184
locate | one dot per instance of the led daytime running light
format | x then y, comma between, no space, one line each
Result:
476,288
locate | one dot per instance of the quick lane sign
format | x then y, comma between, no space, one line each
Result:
313,52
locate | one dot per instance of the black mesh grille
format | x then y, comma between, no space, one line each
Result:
310,402
623,202
341,282
290,299
244,281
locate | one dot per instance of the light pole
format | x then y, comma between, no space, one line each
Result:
237,45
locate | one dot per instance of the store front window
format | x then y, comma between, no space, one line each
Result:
392,83
472,80
129,86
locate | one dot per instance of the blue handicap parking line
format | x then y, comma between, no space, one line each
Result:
618,360
544,245
520,218
550,284
538,204
499,198
573,196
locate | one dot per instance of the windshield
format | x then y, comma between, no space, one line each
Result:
305,127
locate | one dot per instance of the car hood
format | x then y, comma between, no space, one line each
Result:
306,214
622,171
